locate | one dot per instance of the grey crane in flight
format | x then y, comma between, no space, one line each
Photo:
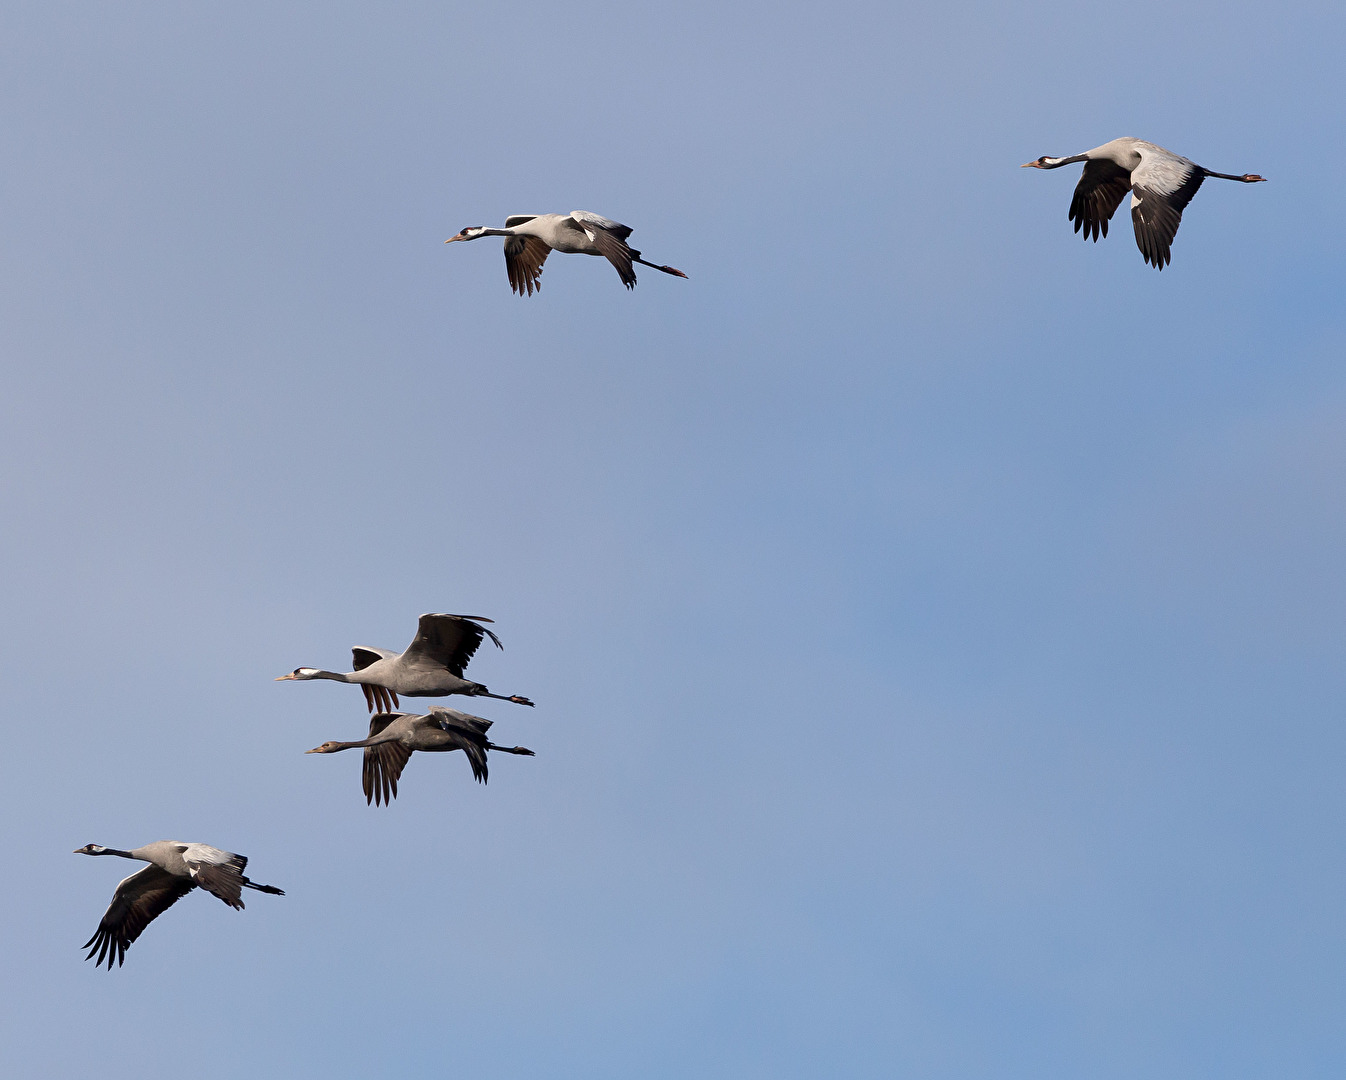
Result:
1161,183
175,870
431,666
394,736
530,238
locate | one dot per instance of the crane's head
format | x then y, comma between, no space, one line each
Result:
472,232
325,748
299,673
1040,163
89,849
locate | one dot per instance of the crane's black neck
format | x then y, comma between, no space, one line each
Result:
1056,163
1246,178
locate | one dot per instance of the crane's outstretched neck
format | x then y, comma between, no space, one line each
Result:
1246,178
334,747
303,674
476,232
1053,162
94,849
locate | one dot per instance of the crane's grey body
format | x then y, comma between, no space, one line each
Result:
177,857
562,232
529,238
176,868
431,666
1161,183
394,736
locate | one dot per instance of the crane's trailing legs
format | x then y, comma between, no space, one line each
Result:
635,257
381,699
516,698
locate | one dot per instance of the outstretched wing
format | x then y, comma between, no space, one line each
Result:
610,240
469,736
448,641
453,720
138,901
219,872
524,256
363,655
586,217
1163,186
1100,191
383,764
219,879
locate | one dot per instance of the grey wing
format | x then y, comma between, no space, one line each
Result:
1157,203
224,880
449,640
362,656
381,720
138,901
223,877
613,248
1100,191
453,720
383,764
587,217
515,220
204,853
524,256
469,736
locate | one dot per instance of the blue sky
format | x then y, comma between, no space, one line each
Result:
935,621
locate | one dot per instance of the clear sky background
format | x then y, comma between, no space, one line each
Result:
936,622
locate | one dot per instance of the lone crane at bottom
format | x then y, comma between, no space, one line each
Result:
175,870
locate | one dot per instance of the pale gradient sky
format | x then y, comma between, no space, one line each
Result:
936,622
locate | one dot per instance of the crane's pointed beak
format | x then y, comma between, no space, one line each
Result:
1030,165
282,678
451,239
